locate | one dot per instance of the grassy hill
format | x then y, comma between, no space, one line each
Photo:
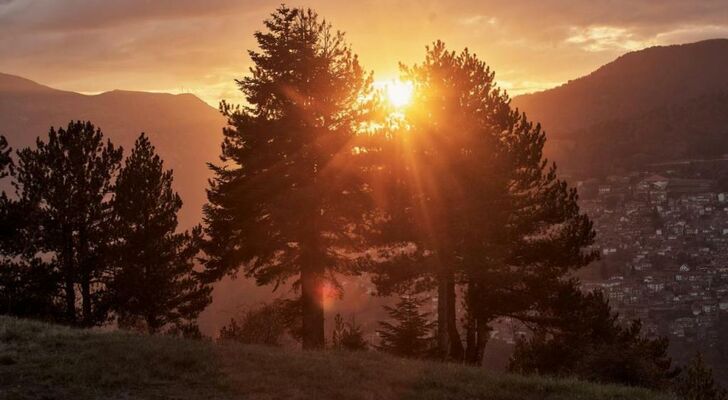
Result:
42,361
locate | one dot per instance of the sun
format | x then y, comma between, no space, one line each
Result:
399,93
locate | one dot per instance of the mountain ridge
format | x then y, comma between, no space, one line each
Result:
186,131
621,93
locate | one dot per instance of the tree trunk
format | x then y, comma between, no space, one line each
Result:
312,295
471,340
443,335
86,299
448,339
312,304
478,333
456,345
152,327
483,336
85,272
70,298
69,278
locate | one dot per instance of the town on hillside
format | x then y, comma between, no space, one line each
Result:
663,239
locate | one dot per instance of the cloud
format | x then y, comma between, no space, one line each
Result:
73,15
174,45
478,20
605,38
687,34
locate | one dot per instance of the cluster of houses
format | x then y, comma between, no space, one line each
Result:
664,253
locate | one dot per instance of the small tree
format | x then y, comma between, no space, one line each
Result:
580,336
154,278
411,334
696,382
347,335
266,325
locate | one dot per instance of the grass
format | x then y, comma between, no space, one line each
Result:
42,361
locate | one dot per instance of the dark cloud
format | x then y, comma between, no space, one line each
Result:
72,15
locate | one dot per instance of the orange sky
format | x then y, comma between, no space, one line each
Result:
199,46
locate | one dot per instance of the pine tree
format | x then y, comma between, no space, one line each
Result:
27,287
410,335
63,186
338,333
443,180
6,221
348,335
696,382
154,279
5,159
283,200
470,188
266,324
577,334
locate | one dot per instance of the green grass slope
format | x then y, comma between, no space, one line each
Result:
42,361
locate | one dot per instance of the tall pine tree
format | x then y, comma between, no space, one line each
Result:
286,190
154,281
63,187
445,184
469,186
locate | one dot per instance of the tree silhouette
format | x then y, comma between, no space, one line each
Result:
283,199
696,382
469,187
266,324
579,335
5,159
63,186
154,280
410,335
28,287
347,335
7,222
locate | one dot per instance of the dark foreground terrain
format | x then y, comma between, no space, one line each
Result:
42,361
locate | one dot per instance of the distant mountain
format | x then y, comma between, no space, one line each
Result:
186,131
656,104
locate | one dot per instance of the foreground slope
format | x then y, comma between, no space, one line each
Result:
41,361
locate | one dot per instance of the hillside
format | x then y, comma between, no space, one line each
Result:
624,100
186,131
40,361
695,129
